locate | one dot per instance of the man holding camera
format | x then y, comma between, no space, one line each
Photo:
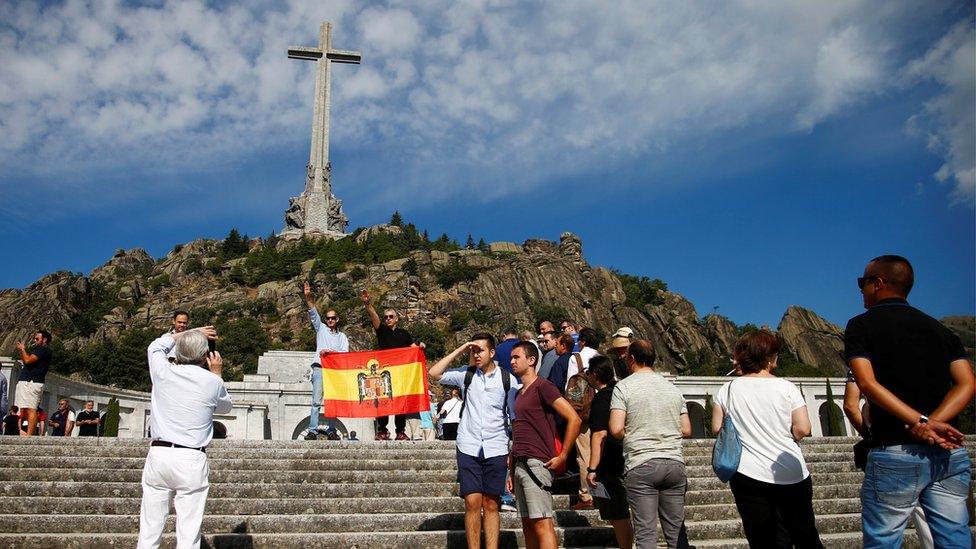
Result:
185,396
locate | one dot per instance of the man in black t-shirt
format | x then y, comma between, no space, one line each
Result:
607,454
11,422
87,421
30,383
62,421
915,374
388,336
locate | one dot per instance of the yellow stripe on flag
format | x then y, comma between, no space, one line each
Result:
407,379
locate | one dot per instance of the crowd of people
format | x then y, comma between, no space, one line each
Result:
523,407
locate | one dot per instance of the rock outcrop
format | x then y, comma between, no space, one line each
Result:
813,340
501,285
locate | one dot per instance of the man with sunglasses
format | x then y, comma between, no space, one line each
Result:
914,372
569,327
388,336
328,339
30,383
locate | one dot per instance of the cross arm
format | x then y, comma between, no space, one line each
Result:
303,52
343,56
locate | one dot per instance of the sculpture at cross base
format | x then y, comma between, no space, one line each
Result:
317,210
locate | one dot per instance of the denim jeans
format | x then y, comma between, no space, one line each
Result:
313,416
897,478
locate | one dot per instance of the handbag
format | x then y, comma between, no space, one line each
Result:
727,450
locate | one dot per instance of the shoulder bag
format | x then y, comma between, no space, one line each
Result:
728,448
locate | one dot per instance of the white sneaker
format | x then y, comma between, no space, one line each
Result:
508,507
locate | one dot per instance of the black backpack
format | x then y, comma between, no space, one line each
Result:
506,385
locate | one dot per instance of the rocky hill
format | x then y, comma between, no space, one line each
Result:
251,289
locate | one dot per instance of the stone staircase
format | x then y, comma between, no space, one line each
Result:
65,493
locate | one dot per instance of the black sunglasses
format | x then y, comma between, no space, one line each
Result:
332,318
389,316
862,280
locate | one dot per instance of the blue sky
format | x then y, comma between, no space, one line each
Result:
752,155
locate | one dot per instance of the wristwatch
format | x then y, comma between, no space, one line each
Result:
922,418
588,470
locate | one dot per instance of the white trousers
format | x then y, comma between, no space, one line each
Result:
179,474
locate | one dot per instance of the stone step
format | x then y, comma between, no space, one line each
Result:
216,464
434,539
379,522
703,482
265,477
568,537
839,540
691,447
420,466
724,495
330,506
30,488
74,452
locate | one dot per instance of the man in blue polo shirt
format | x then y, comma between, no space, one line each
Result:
483,433
915,373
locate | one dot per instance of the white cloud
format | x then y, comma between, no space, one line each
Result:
476,92
948,120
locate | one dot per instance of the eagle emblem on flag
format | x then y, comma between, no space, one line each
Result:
374,385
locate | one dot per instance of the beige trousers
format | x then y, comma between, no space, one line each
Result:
583,459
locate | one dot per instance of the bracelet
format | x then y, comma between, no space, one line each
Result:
589,470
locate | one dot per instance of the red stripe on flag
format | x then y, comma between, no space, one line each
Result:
406,404
358,361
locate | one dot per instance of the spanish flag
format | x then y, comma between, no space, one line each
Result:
375,383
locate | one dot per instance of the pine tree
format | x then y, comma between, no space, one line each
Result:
470,243
396,220
834,425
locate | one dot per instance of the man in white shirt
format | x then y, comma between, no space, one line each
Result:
328,339
483,433
185,397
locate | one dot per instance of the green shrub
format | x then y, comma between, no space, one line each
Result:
431,337
483,316
641,291
455,272
788,366
104,299
234,245
110,427
357,273
410,267
157,283
192,266
241,342
542,310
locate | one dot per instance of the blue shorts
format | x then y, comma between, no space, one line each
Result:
479,475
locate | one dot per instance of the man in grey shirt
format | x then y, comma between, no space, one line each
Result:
648,412
550,356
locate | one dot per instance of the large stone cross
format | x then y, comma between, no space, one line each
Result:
319,210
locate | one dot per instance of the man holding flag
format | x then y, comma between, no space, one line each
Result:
483,433
388,336
328,339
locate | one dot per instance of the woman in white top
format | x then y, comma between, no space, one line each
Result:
450,415
772,488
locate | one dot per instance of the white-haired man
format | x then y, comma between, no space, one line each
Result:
185,397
